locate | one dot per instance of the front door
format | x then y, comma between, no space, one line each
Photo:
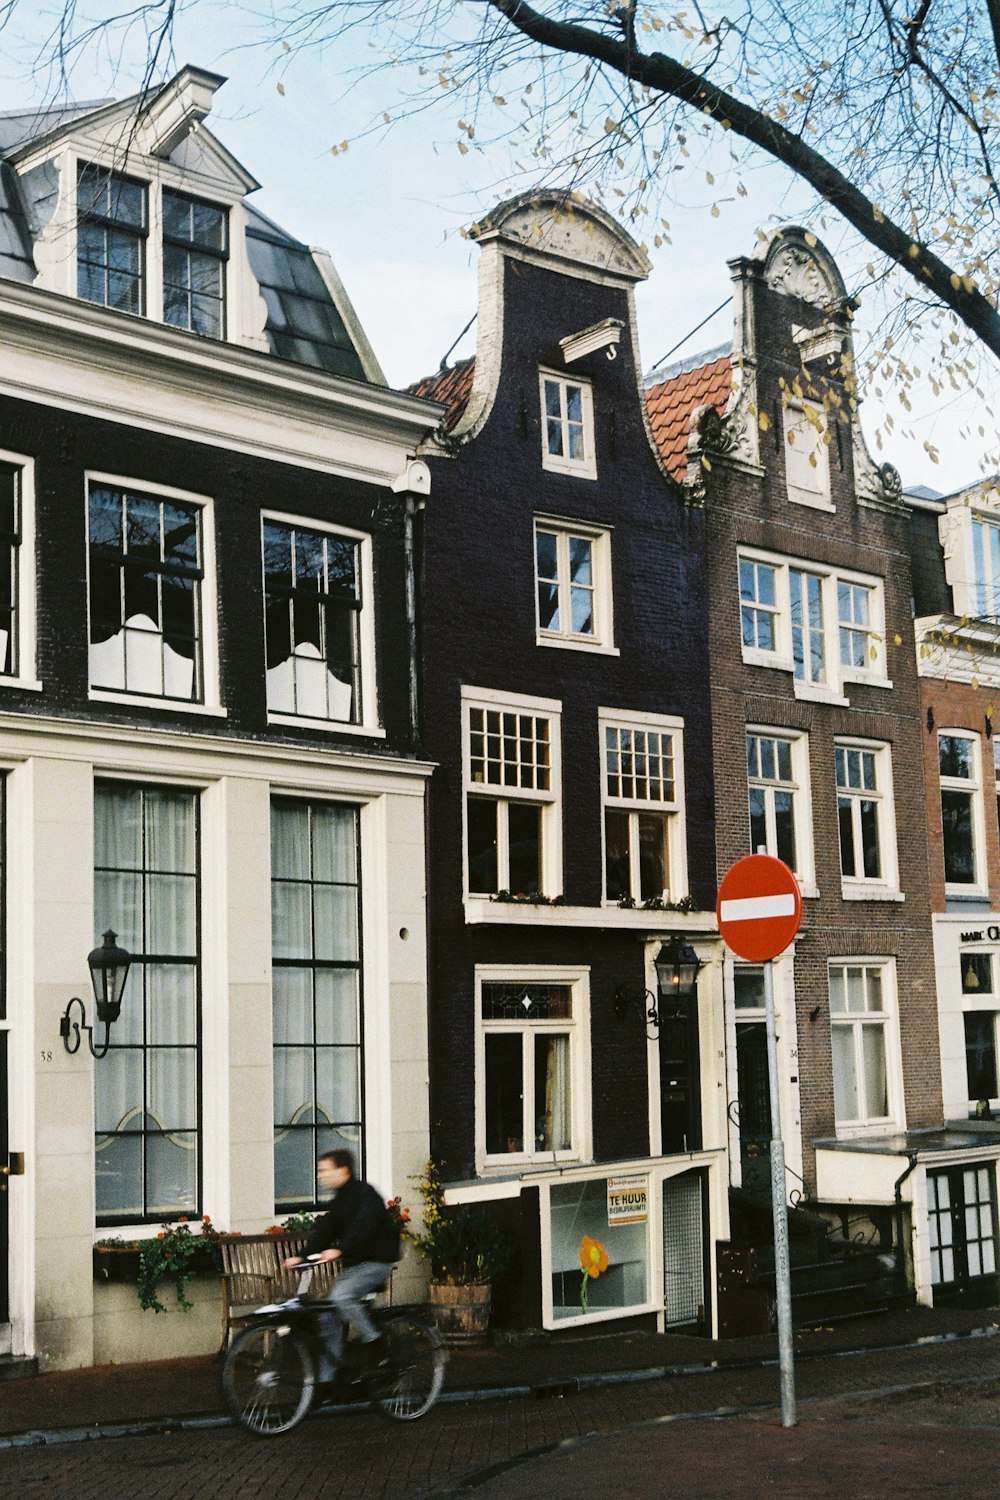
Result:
961,1213
753,1092
680,1079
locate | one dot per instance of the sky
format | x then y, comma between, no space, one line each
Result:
390,210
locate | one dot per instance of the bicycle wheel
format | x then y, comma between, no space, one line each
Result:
268,1380
410,1380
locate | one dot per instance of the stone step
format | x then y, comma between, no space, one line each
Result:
17,1366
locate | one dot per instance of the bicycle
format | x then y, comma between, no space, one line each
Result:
269,1374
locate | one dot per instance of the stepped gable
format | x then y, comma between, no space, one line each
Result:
676,391
451,386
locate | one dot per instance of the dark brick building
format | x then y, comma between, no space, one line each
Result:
206,736
564,616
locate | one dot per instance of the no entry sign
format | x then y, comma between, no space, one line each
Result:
759,907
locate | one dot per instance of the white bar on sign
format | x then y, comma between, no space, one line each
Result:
752,908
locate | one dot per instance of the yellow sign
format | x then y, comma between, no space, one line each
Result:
627,1200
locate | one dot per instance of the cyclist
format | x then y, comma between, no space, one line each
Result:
359,1231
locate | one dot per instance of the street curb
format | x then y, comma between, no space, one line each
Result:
161,1426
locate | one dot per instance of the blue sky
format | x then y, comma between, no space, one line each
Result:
390,210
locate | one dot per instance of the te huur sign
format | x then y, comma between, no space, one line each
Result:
627,1200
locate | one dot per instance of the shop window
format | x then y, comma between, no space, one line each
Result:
602,1225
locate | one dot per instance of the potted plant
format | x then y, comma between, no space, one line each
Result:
467,1251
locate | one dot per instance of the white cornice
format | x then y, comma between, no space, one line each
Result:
84,358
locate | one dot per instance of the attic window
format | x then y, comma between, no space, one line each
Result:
567,425
194,264
807,460
110,241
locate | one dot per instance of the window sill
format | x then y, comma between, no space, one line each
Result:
755,658
974,894
812,501
165,705
586,470
870,893
867,679
480,910
583,1320
564,643
811,692
327,726
857,1130
25,684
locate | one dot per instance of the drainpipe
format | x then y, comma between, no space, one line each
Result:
897,1194
414,484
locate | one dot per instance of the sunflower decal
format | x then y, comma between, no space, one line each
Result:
594,1260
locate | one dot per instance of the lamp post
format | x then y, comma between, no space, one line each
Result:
676,966
109,966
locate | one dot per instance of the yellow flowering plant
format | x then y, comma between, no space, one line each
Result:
594,1260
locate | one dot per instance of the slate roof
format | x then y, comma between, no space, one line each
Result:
304,322
675,391
451,386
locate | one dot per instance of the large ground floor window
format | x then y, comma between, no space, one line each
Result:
316,980
147,1088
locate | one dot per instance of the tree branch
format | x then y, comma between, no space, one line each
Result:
666,75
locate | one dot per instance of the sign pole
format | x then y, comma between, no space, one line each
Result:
779,1210
759,907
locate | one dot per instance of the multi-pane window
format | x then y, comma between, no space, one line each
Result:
571,575
808,648
111,239
147,1087
772,788
860,1023
986,569
146,574
313,602
527,1094
10,544
567,425
316,991
194,264
960,1213
642,799
859,805
758,605
854,619
959,772
826,628
510,799
807,463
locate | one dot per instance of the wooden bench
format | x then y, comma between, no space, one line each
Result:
253,1274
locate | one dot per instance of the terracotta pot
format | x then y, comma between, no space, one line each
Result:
462,1313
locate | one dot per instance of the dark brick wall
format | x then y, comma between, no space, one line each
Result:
478,614
66,446
743,508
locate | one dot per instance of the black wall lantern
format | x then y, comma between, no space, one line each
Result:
677,966
109,967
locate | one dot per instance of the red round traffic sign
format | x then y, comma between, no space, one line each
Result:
759,907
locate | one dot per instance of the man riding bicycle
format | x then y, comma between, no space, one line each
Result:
359,1231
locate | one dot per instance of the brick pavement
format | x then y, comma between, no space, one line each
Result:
114,1394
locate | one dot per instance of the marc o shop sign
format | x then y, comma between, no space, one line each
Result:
992,935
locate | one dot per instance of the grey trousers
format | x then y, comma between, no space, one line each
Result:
345,1300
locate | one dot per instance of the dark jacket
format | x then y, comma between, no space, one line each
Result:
358,1224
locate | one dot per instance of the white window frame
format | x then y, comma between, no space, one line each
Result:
889,1026
862,887
973,787
550,801
673,811
601,638
209,702
799,786
807,454
561,463
837,674
577,1027
369,723
24,675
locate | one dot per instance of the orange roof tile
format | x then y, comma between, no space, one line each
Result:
451,386
671,402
